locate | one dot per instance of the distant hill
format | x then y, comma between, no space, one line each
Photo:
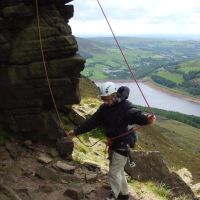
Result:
174,64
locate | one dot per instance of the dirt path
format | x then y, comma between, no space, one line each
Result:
33,179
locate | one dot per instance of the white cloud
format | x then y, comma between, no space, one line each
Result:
136,17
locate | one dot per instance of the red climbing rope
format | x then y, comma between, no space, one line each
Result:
123,55
110,140
45,66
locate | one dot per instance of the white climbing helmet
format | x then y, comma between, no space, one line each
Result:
107,88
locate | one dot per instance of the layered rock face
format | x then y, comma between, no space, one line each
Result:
25,102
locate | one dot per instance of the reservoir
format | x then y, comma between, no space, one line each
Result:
159,99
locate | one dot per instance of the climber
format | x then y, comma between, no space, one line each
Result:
116,114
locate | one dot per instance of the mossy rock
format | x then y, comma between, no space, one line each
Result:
88,88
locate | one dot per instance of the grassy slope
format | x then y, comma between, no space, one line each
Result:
176,78
185,67
193,65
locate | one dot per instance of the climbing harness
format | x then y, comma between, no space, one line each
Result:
110,140
49,84
130,159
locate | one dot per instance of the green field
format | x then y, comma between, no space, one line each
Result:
193,65
176,78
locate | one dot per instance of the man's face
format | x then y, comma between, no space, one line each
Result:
108,100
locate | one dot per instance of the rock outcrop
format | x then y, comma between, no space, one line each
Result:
150,166
25,103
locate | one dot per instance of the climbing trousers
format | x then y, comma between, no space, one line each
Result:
116,174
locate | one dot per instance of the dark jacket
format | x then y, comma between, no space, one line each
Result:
116,119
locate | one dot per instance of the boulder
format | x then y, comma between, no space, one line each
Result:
92,177
48,174
65,167
74,191
44,158
196,188
151,166
91,166
186,175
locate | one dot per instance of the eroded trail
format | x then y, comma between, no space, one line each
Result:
34,171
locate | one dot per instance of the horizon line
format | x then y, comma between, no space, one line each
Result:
177,36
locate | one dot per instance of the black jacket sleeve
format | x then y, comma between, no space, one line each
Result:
93,122
135,116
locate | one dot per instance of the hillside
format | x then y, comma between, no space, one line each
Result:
173,64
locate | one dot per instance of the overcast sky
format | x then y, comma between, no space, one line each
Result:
132,17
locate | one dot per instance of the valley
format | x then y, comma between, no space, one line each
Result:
170,64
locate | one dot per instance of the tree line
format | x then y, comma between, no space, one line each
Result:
186,119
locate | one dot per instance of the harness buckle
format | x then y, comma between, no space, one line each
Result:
130,160
131,163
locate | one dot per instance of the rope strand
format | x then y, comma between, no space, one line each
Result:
45,66
123,55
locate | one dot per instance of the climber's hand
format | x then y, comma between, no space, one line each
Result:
151,118
71,133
